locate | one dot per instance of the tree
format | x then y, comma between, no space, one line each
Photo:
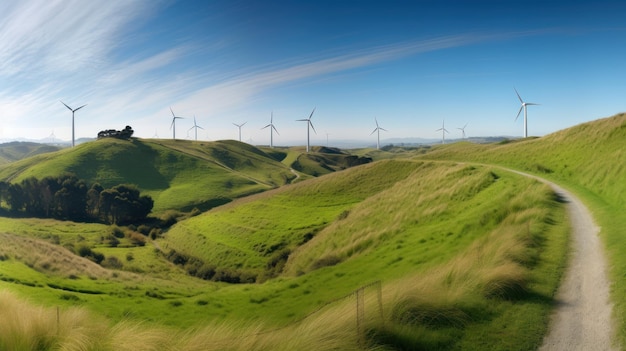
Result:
93,200
15,197
72,198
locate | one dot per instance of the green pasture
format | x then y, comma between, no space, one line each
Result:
588,159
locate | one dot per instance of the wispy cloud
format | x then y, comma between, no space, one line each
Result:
242,88
69,49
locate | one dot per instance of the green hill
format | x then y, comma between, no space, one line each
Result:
469,256
14,151
178,175
452,244
589,159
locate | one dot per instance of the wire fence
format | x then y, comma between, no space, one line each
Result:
361,298
369,295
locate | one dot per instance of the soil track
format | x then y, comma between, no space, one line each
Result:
582,318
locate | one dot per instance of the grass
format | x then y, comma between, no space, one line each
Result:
589,160
469,255
480,242
178,175
493,292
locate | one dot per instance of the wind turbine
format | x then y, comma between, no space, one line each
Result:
272,129
173,125
378,129
523,107
73,110
308,126
195,126
239,126
443,132
463,130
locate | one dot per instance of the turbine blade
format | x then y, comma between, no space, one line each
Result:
244,123
311,124
269,125
199,127
172,111
275,129
374,131
531,103
69,108
79,108
518,112
383,129
519,97
302,120
375,120
311,115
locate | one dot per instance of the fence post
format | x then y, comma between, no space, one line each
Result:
360,315
380,302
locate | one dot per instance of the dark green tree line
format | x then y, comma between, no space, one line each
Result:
70,198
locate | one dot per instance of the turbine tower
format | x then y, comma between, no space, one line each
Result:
378,129
463,130
73,110
443,132
239,126
173,125
272,129
523,107
195,126
308,126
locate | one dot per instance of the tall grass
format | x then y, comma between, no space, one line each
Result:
442,308
589,160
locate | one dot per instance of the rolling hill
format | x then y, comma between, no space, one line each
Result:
467,255
14,151
179,175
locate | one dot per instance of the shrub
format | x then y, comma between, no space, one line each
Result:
112,262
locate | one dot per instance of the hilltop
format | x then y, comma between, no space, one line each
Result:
179,175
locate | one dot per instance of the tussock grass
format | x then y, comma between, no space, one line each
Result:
588,159
451,270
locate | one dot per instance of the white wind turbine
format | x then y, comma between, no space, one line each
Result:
272,129
378,129
73,110
195,126
443,132
308,126
173,125
523,107
463,130
239,126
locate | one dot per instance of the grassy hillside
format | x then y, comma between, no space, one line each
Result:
14,151
178,175
465,254
589,159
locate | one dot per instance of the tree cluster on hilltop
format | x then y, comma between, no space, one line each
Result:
125,133
70,198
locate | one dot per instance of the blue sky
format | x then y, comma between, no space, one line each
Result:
409,64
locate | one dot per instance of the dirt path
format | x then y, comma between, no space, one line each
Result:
582,317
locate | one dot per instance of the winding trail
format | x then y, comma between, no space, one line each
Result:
582,318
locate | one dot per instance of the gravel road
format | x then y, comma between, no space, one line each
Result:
582,318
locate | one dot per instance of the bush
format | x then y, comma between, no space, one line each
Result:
112,262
